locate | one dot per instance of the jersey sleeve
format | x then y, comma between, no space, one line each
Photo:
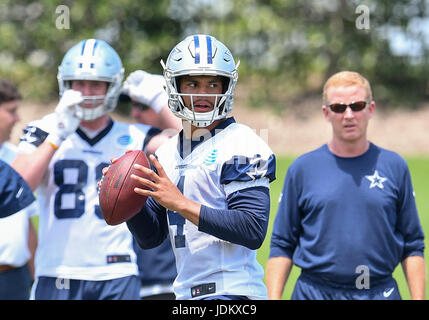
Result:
249,163
286,229
408,219
15,194
245,222
34,134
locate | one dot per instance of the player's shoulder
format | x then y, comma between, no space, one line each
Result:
241,131
131,134
135,128
240,139
167,148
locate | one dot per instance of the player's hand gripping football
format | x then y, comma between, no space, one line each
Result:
162,189
160,184
146,88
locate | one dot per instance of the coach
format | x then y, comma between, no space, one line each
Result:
347,214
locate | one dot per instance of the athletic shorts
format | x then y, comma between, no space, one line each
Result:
310,287
50,288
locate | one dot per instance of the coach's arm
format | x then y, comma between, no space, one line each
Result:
415,273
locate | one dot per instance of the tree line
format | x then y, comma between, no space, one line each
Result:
289,46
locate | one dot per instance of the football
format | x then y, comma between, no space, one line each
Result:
118,201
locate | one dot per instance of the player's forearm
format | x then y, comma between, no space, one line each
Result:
236,226
245,222
277,272
32,246
32,166
148,228
190,210
415,273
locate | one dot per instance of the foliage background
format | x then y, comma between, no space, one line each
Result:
291,46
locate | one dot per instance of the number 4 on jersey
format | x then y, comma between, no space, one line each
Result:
175,219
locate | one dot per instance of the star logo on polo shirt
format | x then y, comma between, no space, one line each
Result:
376,180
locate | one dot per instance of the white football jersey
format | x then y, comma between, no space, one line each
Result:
207,265
74,240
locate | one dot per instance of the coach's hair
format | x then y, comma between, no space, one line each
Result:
347,78
8,91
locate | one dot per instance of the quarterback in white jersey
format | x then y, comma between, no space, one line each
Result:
63,155
210,187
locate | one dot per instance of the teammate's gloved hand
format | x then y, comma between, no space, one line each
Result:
66,120
146,88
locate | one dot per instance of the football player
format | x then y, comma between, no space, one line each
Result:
79,255
151,109
210,187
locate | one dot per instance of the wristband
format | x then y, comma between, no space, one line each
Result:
53,145
54,141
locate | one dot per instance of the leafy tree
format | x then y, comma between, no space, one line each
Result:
289,46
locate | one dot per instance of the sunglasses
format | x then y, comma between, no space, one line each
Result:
341,107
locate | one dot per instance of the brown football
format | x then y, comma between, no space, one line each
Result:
118,201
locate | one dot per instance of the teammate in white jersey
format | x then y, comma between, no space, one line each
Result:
18,238
79,255
210,187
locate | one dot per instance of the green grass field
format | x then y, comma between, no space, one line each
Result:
419,168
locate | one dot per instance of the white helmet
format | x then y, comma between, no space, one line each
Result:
200,55
92,59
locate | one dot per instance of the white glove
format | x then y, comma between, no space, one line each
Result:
146,88
66,120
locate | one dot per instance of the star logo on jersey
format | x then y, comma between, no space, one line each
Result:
259,168
376,180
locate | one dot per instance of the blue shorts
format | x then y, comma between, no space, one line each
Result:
49,288
309,287
15,284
